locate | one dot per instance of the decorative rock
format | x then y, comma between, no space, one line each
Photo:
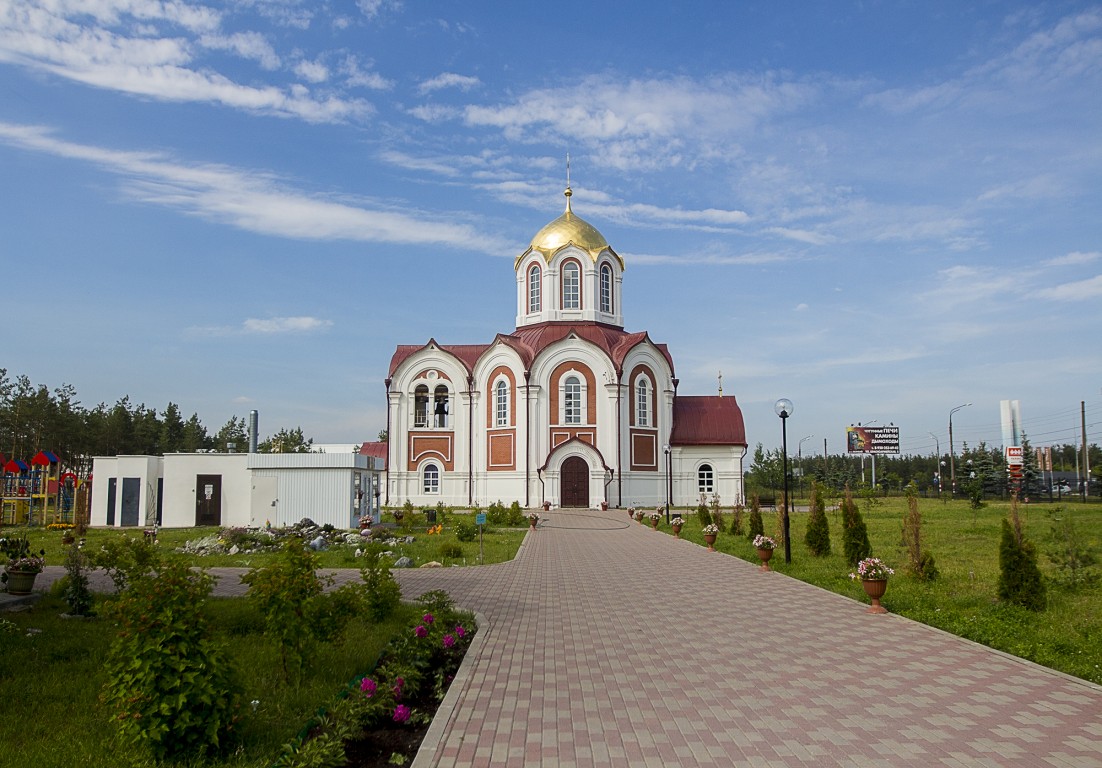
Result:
433,564
234,549
319,544
403,562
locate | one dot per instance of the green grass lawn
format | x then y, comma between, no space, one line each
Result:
963,600
53,678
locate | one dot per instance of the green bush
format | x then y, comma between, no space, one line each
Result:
817,537
497,514
450,551
76,591
466,530
855,534
516,514
169,685
703,513
737,515
382,595
297,613
756,526
921,561
126,558
1020,581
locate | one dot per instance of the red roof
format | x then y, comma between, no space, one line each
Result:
530,340
707,420
376,449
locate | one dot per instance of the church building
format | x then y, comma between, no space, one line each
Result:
568,409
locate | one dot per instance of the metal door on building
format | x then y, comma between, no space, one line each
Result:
208,499
112,485
574,482
131,500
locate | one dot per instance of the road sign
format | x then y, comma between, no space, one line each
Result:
480,518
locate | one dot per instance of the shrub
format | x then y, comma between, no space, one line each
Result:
817,537
442,512
382,595
1070,551
737,515
703,514
126,558
297,614
855,534
77,594
168,684
516,514
921,562
497,514
756,528
450,551
466,530
1020,579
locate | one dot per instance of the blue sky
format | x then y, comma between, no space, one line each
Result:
877,210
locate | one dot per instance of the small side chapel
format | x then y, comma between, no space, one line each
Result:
568,409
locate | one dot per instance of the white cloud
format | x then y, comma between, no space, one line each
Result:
248,45
158,67
1072,259
312,71
449,80
251,201
1076,291
285,325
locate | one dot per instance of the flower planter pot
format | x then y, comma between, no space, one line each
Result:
546,506
764,555
875,589
654,524
710,540
21,582
604,506
677,531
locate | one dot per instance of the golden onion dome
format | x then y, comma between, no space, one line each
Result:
568,229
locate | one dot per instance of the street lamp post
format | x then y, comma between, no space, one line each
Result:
952,461
783,407
669,482
937,469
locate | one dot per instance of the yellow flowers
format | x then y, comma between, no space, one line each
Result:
436,529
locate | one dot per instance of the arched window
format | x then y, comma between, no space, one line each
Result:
501,403
572,400
704,481
440,406
642,402
421,406
534,289
571,286
606,288
432,479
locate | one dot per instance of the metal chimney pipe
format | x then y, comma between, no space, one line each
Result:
254,421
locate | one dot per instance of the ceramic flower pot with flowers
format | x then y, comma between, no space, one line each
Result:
21,565
675,525
711,532
655,519
533,518
765,546
873,573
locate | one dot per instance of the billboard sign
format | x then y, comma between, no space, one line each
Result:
872,439
1014,456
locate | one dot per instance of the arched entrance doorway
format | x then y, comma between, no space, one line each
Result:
574,482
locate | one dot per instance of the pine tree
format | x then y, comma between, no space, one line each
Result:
855,534
756,526
817,537
921,561
1020,580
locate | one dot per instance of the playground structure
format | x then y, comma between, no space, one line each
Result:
39,493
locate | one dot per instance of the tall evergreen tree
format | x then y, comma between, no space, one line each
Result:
817,537
855,534
172,430
1020,580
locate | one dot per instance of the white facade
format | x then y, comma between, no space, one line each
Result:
569,409
182,490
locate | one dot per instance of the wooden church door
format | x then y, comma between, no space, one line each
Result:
574,490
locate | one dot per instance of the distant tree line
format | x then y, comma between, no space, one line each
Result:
978,469
34,418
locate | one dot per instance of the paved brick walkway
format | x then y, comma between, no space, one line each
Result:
607,644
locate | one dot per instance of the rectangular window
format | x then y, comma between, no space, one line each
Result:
571,287
534,290
502,404
572,402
